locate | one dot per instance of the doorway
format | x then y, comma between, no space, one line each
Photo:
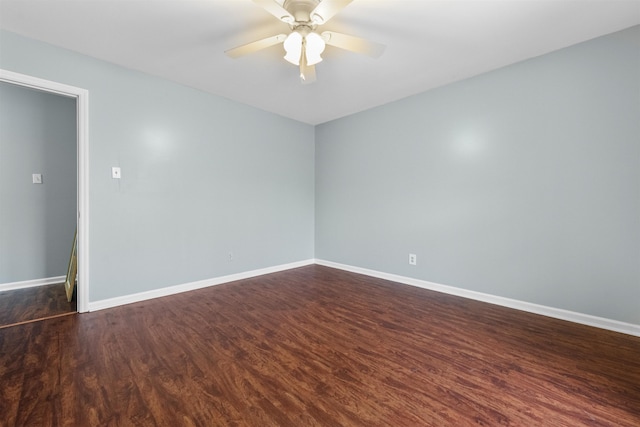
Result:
81,98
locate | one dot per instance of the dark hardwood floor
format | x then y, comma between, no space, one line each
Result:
316,346
41,302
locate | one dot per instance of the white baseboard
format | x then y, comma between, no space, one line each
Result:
185,287
571,316
31,283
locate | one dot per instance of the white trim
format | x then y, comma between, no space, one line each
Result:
39,84
31,283
82,108
558,313
185,287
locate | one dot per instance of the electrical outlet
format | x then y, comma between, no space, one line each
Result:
115,173
230,256
413,260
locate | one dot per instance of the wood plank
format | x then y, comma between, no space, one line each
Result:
317,347
72,269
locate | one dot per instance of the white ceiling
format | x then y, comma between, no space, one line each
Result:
429,44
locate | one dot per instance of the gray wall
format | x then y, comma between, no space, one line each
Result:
37,221
202,176
522,183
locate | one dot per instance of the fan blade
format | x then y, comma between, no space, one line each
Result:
307,73
255,46
327,10
353,44
276,10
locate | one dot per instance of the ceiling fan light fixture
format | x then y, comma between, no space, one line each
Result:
293,47
314,46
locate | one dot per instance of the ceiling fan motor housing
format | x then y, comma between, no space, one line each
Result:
301,10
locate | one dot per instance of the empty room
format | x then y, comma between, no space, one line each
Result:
319,213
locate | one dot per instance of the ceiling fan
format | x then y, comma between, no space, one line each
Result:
304,45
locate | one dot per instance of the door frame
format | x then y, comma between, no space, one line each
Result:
82,122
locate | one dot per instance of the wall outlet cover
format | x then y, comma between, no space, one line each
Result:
413,260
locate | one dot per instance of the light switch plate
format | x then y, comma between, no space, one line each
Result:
37,178
115,172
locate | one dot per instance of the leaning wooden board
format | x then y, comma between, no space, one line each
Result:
72,269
